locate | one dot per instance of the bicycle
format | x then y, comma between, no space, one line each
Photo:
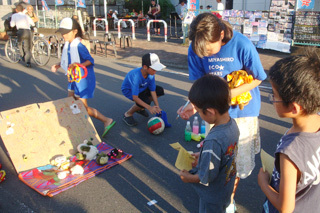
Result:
40,50
56,45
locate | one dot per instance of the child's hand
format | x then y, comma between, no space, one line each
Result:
154,109
195,162
263,178
55,67
184,175
187,112
71,66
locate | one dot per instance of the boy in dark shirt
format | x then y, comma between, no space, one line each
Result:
294,185
214,170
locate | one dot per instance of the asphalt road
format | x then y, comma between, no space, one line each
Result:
150,174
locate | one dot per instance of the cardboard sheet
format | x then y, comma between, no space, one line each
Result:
267,162
184,158
36,133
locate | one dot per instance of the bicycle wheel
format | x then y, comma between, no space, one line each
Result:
12,50
41,51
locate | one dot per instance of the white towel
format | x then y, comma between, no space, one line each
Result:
75,58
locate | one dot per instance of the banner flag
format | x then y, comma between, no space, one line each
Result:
44,5
305,4
81,3
59,2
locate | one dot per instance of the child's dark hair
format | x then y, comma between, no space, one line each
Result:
207,28
210,91
297,79
76,25
146,60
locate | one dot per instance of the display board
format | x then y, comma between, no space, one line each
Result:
280,25
307,28
36,133
235,18
255,27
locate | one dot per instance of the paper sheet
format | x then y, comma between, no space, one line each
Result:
267,162
184,158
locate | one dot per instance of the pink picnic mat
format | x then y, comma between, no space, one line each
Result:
48,184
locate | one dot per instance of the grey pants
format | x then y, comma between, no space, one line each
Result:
25,36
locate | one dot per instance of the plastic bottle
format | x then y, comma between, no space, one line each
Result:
203,127
187,132
195,125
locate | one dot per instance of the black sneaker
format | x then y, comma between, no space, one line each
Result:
129,120
28,65
143,112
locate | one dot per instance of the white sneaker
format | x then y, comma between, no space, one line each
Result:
231,208
181,37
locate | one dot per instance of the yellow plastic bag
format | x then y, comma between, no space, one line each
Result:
235,79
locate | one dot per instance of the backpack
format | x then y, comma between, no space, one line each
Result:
7,26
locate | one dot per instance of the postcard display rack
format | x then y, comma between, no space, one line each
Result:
306,28
235,18
280,25
265,32
252,24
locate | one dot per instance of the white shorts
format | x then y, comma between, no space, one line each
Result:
248,146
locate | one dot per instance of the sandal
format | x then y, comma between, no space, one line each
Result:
107,128
129,120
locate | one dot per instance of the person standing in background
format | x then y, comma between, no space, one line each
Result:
110,13
115,20
182,15
32,14
154,13
23,23
183,9
220,6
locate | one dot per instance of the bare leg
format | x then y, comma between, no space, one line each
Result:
95,113
132,110
71,94
236,183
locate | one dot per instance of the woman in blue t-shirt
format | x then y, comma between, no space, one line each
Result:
218,50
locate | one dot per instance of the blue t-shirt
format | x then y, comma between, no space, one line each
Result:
134,83
85,88
238,54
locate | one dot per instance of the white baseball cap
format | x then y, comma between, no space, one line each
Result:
152,60
65,26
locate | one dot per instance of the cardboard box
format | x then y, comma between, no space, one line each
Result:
36,133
